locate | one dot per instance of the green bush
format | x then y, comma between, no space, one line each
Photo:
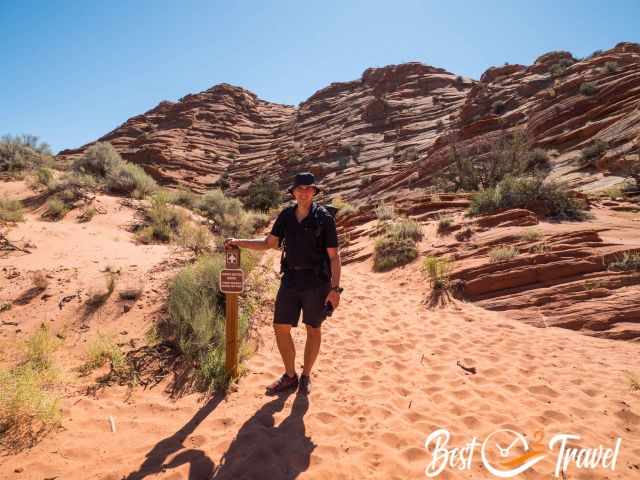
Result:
56,209
531,235
164,222
444,224
263,193
100,160
483,166
391,252
404,228
101,349
196,318
228,214
44,176
195,238
22,152
130,179
344,207
611,67
184,198
437,269
10,210
588,89
532,193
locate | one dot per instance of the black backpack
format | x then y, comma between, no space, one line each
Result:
322,265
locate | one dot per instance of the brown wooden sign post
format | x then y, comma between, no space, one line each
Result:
231,284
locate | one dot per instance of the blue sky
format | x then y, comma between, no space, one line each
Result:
71,71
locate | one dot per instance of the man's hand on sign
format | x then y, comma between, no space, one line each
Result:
229,243
333,298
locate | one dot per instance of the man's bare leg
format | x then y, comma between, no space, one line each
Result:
311,348
286,347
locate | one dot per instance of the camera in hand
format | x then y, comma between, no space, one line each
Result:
328,309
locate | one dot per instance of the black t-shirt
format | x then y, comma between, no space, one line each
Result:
301,244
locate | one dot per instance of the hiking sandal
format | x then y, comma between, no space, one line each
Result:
285,382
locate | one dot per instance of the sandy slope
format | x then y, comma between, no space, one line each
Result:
387,377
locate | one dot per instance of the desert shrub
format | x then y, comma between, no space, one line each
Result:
263,193
344,207
404,228
498,107
164,222
343,162
184,198
611,67
99,297
533,193
43,176
87,214
22,152
384,211
444,224
588,89
484,165
39,280
196,318
464,234
591,153
195,238
502,254
68,189
39,348
437,269
130,179
100,160
531,235
391,252
10,210
56,209
101,349
627,262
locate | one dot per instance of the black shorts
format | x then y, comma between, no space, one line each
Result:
290,301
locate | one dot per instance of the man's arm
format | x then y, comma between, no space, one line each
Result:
270,241
336,266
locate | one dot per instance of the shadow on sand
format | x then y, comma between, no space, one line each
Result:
259,450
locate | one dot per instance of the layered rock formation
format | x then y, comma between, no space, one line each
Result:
393,129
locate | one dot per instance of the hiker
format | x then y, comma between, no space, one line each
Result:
310,280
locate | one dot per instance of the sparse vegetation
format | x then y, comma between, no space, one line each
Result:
344,207
101,349
404,228
39,280
437,269
611,67
391,252
588,89
87,214
164,222
56,209
484,166
10,210
502,254
444,224
593,152
384,211
195,238
263,193
43,176
531,235
533,193
627,262
130,179
22,152
99,297
27,408
184,198
464,234
634,381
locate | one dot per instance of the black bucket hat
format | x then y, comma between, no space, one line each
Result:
304,178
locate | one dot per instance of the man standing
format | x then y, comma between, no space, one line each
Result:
310,281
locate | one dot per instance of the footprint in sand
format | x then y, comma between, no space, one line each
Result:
543,390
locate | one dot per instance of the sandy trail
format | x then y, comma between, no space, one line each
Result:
387,376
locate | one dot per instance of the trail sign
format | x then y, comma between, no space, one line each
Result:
231,281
